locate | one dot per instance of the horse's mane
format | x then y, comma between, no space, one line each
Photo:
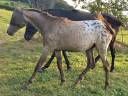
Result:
109,28
45,13
35,10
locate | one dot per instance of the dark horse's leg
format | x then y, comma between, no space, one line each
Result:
90,58
49,62
59,64
66,60
112,49
97,58
51,59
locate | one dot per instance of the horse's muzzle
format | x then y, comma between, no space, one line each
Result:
9,33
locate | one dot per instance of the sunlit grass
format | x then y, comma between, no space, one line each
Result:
18,59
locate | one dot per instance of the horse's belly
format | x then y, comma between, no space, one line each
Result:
77,37
76,42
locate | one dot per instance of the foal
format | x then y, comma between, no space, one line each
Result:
78,35
14,26
71,14
79,16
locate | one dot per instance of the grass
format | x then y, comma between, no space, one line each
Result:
18,58
13,4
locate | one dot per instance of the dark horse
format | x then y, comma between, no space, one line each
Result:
76,15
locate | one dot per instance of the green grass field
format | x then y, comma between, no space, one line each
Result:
18,58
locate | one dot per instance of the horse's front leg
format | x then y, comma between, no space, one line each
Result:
38,67
66,60
112,49
59,64
49,62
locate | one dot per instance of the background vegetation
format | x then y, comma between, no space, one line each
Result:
18,58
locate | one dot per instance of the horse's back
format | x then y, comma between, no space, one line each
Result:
72,14
77,35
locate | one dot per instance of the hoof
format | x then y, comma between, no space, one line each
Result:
111,70
92,65
69,69
24,87
39,70
62,82
77,82
43,69
106,86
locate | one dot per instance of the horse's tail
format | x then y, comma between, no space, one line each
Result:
107,25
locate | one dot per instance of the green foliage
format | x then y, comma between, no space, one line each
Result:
115,7
13,4
62,4
18,59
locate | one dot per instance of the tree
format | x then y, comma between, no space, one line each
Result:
48,4
115,7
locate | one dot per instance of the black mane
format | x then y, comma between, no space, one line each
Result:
35,10
74,15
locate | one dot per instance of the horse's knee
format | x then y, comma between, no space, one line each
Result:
106,68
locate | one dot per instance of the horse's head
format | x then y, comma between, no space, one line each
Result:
113,21
17,22
29,32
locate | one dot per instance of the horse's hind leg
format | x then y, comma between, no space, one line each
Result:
49,62
103,55
59,64
112,49
66,60
37,68
89,65
106,68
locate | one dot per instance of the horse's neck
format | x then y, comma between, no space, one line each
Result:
44,24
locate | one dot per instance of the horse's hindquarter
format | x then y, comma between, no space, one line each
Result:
77,35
